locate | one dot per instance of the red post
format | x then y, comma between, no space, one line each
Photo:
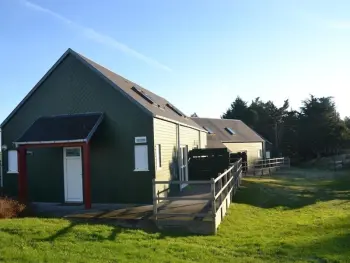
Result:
22,174
87,184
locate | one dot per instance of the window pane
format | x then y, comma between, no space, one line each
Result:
12,161
158,156
141,158
73,152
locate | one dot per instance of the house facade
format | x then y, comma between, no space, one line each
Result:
85,134
234,135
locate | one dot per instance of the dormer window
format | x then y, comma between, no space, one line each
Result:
230,131
143,95
174,109
208,130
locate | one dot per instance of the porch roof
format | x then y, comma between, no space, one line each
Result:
61,129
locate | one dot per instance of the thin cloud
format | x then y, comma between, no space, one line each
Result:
320,21
339,24
97,36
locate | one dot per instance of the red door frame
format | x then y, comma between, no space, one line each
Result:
23,176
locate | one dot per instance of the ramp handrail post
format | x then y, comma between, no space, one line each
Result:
212,186
155,201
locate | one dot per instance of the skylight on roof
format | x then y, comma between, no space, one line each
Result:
208,130
230,131
174,109
143,95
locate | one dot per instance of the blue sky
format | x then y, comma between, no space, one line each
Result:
198,54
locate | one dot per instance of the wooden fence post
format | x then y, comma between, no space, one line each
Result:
155,201
220,187
213,203
227,187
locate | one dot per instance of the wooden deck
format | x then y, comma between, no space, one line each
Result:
141,215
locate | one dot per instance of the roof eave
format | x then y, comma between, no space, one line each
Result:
241,141
180,123
58,62
48,73
49,142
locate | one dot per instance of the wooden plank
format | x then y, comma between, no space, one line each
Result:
223,174
182,182
223,188
179,198
183,214
224,202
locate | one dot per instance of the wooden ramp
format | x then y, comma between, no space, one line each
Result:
201,206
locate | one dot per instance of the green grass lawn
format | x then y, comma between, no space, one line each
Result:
294,216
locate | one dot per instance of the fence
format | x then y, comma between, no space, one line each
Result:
228,183
205,164
338,164
267,166
222,188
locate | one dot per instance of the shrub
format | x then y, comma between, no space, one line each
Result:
10,208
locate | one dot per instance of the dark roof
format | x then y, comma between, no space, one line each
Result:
243,133
73,127
161,108
214,142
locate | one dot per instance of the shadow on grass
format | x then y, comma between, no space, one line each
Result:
117,227
294,188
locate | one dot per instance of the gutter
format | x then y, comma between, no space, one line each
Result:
179,123
50,142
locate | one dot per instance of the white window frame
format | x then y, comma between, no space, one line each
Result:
142,169
158,156
183,165
12,154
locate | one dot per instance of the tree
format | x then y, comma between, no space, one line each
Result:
238,110
347,122
315,130
289,134
194,115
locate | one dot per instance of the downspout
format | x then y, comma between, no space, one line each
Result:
264,149
178,150
200,143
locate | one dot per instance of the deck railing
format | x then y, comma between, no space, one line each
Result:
222,188
267,166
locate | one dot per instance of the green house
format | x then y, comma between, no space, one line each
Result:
84,134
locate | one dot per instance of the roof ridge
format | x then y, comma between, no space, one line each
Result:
117,82
111,76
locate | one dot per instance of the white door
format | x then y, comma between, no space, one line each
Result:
73,176
183,165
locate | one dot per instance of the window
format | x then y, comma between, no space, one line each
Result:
208,130
230,131
174,109
259,153
12,161
143,94
141,158
72,152
158,156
